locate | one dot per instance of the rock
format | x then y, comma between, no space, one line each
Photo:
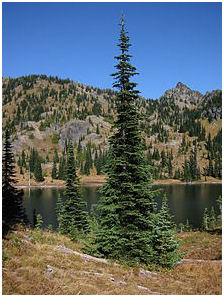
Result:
20,141
142,288
45,114
92,273
52,129
180,85
211,105
49,270
74,129
122,283
65,250
146,273
26,239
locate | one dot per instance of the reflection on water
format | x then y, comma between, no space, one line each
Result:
185,201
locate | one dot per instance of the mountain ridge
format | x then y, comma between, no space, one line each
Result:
41,110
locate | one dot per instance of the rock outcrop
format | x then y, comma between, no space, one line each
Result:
212,105
182,96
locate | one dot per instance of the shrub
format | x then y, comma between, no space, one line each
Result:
39,221
31,136
55,138
4,256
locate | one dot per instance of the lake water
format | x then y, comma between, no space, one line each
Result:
186,201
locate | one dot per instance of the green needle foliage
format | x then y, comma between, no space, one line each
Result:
12,198
38,170
54,170
127,211
166,244
62,167
72,214
205,220
55,158
212,219
39,222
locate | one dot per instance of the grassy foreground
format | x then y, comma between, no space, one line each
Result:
43,263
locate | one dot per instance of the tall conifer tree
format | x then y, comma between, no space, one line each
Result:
55,158
32,160
54,174
193,164
12,198
126,208
62,167
38,170
23,159
72,212
186,171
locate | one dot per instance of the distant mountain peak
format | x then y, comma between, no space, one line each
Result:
181,85
183,96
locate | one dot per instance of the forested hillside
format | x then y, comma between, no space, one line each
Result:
181,130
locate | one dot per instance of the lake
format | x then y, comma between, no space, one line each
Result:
186,201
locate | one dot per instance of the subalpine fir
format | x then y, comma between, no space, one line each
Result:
54,170
127,208
166,243
72,214
12,199
38,170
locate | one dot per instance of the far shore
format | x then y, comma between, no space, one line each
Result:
99,180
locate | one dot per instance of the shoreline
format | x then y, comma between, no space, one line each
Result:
99,180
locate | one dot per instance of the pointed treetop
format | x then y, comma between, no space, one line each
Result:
122,19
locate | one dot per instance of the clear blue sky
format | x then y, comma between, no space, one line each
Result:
171,42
